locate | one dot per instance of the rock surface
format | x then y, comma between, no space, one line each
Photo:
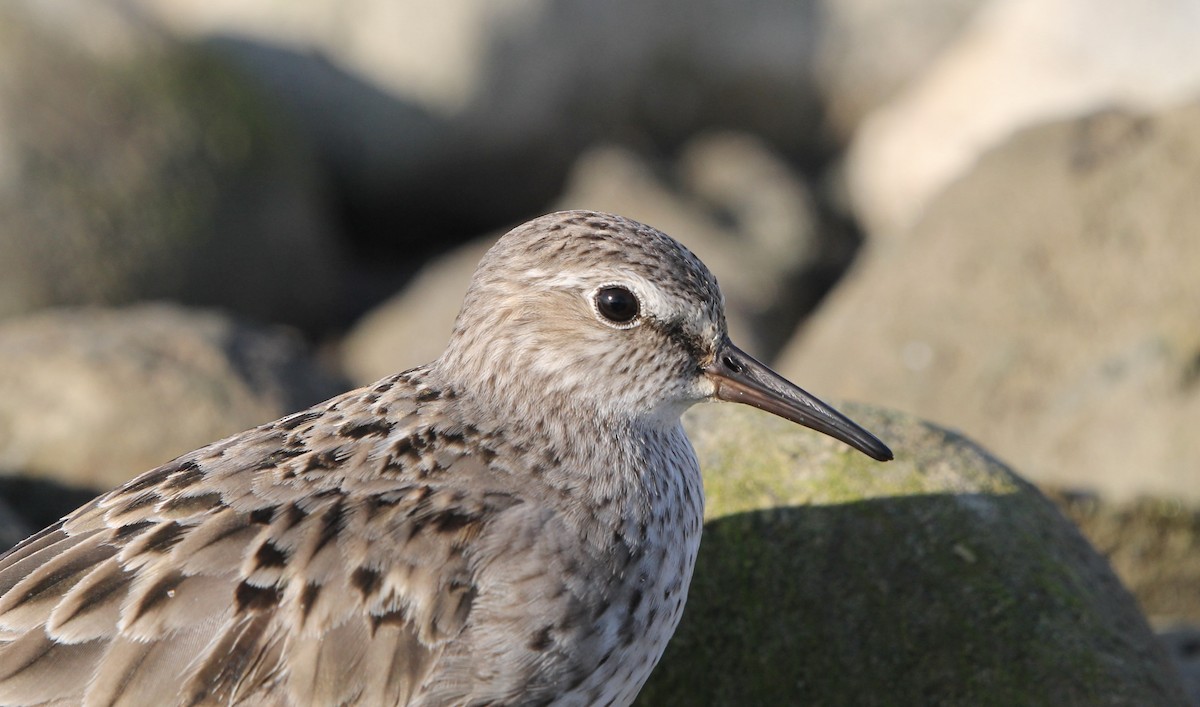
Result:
939,578
870,50
1020,63
93,397
1047,305
133,167
1154,546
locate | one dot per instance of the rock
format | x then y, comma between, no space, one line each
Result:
1021,63
41,502
134,167
1151,544
420,108
728,197
939,578
93,397
1182,642
13,528
869,50
671,67
412,327
1046,304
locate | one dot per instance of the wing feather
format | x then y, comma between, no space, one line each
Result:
280,566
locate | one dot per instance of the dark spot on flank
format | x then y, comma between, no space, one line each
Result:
268,555
308,599
626,633
322,461
392,618
402,447
366,580
262,516
541,639
251,598
383,387
635,601
452,521
331,523
293,421
429,395
362,429
292,515
279,456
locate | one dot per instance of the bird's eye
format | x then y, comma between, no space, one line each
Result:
617,304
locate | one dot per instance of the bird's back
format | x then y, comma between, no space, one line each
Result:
375,549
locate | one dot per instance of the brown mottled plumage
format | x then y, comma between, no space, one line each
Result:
514,523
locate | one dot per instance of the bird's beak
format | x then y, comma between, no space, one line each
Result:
739,378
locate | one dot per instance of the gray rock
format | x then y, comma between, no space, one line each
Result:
941,578
872,49
419,108
92,397
1020,64
135,167
412,327
1047,304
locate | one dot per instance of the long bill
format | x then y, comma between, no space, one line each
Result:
740,378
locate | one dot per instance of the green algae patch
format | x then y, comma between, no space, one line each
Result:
826,578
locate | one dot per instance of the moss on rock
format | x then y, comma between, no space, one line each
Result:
940,578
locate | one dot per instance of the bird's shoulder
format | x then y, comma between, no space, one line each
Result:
326,557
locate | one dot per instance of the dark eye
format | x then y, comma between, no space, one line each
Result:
617,304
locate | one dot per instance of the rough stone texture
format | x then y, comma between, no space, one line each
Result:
1047,305
728,197
1021,63
93,397
939,578
134,167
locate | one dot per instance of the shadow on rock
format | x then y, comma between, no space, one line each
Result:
940,578
872,603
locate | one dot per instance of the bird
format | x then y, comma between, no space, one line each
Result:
513,523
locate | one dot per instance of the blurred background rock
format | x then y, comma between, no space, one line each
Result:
982,212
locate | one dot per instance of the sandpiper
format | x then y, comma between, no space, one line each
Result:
513,523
